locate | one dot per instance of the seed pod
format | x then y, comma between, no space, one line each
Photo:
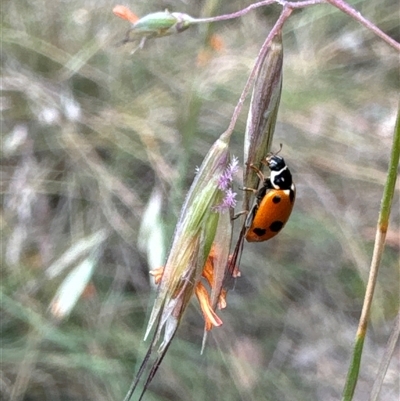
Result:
194,236
262,115
153,25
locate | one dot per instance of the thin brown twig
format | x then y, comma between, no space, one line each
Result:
339,4
285,14
287,10
244,11
346,8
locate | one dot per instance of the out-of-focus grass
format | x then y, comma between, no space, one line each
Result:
89,130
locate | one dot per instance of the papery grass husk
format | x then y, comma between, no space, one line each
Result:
260,127
201,219
262,116
218,260
197,221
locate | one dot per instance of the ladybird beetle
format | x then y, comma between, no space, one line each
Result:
274,201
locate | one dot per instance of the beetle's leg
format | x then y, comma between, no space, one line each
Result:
258,172
238,214
249,189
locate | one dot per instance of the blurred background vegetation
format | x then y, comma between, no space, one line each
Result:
90,131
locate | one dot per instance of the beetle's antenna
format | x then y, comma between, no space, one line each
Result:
275,153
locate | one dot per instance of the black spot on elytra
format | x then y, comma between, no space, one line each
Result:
276,199
276,226
291,196
259,231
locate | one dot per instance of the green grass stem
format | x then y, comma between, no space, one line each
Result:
383,222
